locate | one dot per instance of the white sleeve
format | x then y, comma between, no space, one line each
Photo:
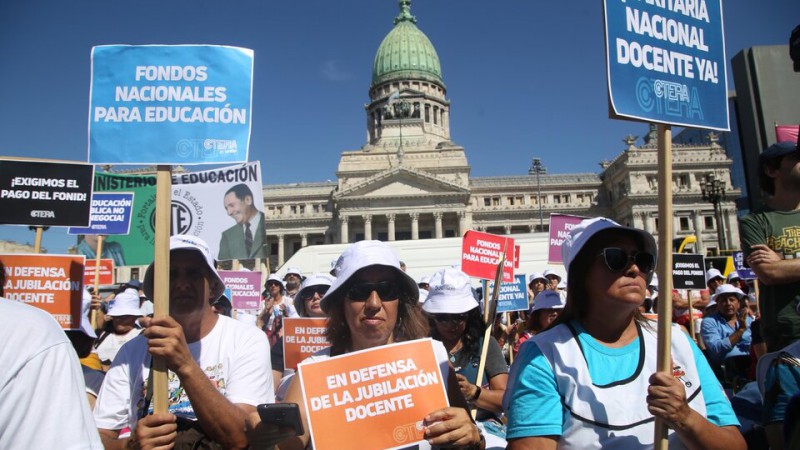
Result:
112,407
250,376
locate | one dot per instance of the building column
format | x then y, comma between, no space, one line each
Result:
303,240
645,223
367,227
726,217
343,231
280,250
414,225
438,219
507,229
698,232
390,231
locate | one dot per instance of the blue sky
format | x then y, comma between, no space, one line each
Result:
526,78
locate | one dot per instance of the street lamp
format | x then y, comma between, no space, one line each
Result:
714,192
536,169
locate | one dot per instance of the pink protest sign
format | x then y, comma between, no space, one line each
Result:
560,226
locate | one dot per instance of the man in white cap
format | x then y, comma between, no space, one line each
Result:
537,283
553,277
714,279
292,279
218,369
123,312
726,333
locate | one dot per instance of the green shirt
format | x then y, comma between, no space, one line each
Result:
780,231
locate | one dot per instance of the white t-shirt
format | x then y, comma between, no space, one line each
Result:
107,350
42,393
234,357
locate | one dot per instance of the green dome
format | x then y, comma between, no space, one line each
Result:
406,53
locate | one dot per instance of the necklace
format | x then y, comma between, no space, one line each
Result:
454,351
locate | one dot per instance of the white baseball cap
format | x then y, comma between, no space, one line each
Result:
86,305
547,299
187,242
584,231
317,279
361,255
450,292
712,274
126,303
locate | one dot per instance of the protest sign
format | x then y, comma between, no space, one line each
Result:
666,62
744,272
106,272
688,271
216,204
53,283
379,395
110,214
245,288
163,104
302,337
45,193
481,253
560,226
513,296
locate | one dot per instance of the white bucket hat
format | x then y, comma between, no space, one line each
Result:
450,293
126,303
548,272
536,276
712,274
86,305
358,256
734,275
584,231
317,279
547,299
186,242
726,289
293,271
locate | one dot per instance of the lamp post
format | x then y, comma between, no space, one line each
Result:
536,169
713,191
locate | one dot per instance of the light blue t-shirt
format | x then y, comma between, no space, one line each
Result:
533,404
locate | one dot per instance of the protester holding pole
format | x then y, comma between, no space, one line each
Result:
591,377
456,320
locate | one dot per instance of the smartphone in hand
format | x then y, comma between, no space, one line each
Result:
282,415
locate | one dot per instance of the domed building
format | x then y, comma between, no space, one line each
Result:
410,180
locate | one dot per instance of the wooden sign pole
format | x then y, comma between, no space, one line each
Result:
691,316
161,277
97,256
37,242
664,356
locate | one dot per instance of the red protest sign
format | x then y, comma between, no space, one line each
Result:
302,337
481,253
53,283
379,395
106,272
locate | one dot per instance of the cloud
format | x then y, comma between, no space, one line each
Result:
333,71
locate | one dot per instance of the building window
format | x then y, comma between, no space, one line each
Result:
684,223
427,113
709,222
134,273
557,199
487,201
449,233
495,201
566,198
510,200
293,209
435,115
302,209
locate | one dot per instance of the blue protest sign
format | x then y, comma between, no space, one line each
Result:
666,62
745,273
513,296
162,104
110,214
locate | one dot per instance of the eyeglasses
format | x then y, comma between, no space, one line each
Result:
617,260
387,291
452,318
308,293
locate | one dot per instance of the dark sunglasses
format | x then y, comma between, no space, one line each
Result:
617,260
387,291
453,318
308,293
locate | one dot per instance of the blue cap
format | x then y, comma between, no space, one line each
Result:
777,150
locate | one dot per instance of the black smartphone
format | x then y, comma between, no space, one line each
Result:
282,415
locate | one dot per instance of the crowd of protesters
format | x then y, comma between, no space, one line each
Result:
577,369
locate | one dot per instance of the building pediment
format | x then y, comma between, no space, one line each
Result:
401,182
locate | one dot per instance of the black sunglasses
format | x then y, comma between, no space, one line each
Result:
617,260
453,318
387,291
308,293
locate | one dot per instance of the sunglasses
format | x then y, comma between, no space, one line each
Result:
387,291
308,293
617,260
452,318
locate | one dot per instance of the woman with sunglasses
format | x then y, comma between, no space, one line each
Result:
374,303
589,381
547,305
456,320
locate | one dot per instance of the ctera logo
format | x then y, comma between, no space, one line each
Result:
43,214
181,219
